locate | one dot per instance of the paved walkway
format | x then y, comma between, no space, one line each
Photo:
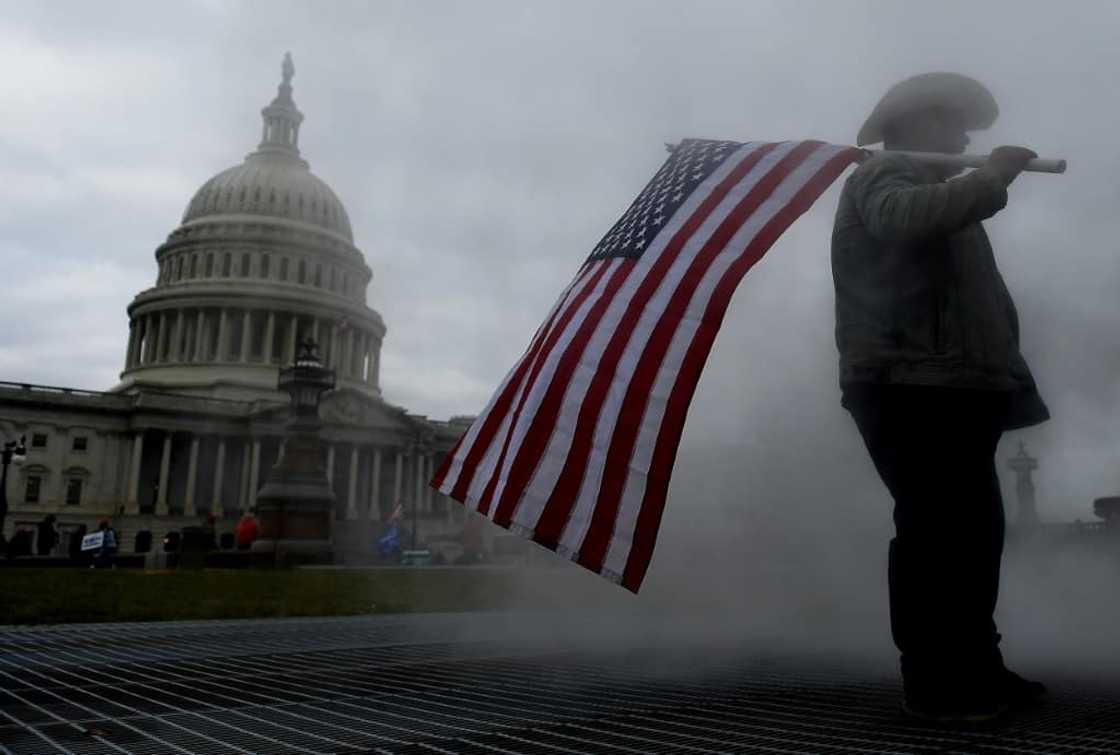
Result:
468,683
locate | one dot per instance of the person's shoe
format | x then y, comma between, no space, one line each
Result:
947,709
1019,692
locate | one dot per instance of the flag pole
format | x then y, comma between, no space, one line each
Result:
1037,165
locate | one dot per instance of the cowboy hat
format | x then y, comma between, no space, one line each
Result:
951,91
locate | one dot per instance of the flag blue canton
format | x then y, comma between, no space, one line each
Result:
691,162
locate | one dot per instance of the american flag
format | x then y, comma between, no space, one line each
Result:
576,448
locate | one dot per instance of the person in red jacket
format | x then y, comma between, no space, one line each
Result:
246,531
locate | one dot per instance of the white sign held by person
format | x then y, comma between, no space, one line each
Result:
93,541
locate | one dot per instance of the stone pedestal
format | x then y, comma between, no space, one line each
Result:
295,507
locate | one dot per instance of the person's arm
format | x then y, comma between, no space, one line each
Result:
898,206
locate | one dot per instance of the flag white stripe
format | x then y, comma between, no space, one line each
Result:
544,478
536,393
689,206
547,469
456,467
580,519
634,489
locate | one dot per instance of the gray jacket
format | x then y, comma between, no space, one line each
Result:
919,300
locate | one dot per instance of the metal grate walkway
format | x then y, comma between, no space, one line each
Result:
461,684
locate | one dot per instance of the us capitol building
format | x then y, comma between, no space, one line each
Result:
263,258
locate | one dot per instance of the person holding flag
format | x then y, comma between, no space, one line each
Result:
575,449
931,372
388,544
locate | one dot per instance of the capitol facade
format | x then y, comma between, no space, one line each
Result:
264,257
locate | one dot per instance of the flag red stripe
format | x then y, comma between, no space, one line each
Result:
544,420
558,508
669,436
616,466
600,270
493,420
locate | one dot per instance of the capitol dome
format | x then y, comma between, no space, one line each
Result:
269,184
274,180
264,258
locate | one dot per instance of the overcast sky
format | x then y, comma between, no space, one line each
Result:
482,148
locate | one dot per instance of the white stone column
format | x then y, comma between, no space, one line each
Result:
161,339
164,469
141,331
132,502
429,464
373,513
131,351
330,463
254,472
243,496
221,348
138,349
143,354
269,334
293,340
351,350
176,337
192,474
153,351
334,346
199,337
360,357
418,501
352,488
246,334
186,343
398,478
219,471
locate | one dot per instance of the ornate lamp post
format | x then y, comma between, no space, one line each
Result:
14,451
295,505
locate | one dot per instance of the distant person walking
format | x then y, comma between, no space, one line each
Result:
246,531
75,545
931,371
103,556
47,536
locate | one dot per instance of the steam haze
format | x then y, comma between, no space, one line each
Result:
482,149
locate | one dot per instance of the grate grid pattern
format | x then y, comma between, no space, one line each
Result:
463,683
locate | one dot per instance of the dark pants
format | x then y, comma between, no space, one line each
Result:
935,450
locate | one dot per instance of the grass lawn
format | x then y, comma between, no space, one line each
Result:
47,596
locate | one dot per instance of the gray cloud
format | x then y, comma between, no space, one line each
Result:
482,149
